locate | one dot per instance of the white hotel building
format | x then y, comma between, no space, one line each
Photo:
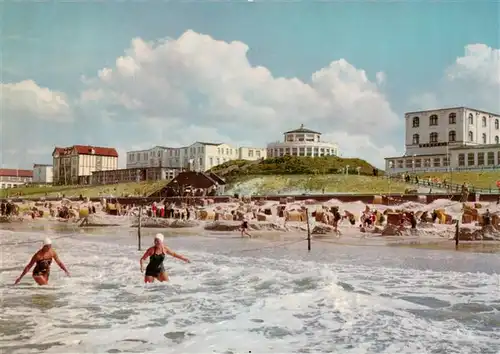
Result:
302,142
458,138
199,156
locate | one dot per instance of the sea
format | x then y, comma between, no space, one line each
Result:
242,295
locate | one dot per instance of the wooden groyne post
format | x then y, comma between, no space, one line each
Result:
139,227
308,231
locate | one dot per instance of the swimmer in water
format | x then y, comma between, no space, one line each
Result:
42,260
156,254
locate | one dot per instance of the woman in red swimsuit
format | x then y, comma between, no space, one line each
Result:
43,258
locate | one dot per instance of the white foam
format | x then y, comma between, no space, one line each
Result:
231,303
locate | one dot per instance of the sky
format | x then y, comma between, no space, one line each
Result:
135,74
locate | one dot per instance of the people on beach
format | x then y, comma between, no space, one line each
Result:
42,260
244,228
155,268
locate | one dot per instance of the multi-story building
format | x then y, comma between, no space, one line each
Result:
449,138
200,156
302,142
136,174
75,164
10,178
42,173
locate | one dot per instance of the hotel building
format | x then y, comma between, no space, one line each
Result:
302,142
200,156
75,164
457,138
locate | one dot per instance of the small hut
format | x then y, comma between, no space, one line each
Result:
191,184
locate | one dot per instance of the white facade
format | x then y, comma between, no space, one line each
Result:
435,131
302,142
75,164
438,140
199,156
43,173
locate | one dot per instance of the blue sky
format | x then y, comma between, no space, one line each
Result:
412,43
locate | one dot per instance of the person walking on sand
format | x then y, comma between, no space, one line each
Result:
42,260
244,228
155,268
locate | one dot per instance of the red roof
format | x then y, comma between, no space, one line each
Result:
11,172
87,150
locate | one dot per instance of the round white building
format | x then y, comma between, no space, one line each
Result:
302,142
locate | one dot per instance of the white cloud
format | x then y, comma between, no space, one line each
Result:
32,119
472,80
26,99
381,77
199,88
173,92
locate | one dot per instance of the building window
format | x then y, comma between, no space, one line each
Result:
471,136
497,124
452,136
491,158
400,163
427,162
498,157
416,122
437,162
484,121
433,137
409,163
452,118
445,161
480,158
418,163
484,138
433,120
471,118
471,159
416,139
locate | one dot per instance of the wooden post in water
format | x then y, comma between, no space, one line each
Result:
139,227
457,232
308,231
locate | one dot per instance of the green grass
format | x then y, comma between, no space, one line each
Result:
478,179
298,184
292,165
120,189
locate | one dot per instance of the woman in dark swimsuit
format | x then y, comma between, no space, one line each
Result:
156,254
42,260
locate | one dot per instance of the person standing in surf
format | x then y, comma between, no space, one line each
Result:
156,254
42,260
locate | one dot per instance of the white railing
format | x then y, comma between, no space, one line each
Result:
395,170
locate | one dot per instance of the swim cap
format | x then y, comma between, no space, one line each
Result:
47,242
159,237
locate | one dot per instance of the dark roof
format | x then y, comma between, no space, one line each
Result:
87,150
302,130
203,143
216,178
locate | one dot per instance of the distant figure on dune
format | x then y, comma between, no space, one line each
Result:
43,258
156,254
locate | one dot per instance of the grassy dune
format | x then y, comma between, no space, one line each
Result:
298,184
478,179
120,189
